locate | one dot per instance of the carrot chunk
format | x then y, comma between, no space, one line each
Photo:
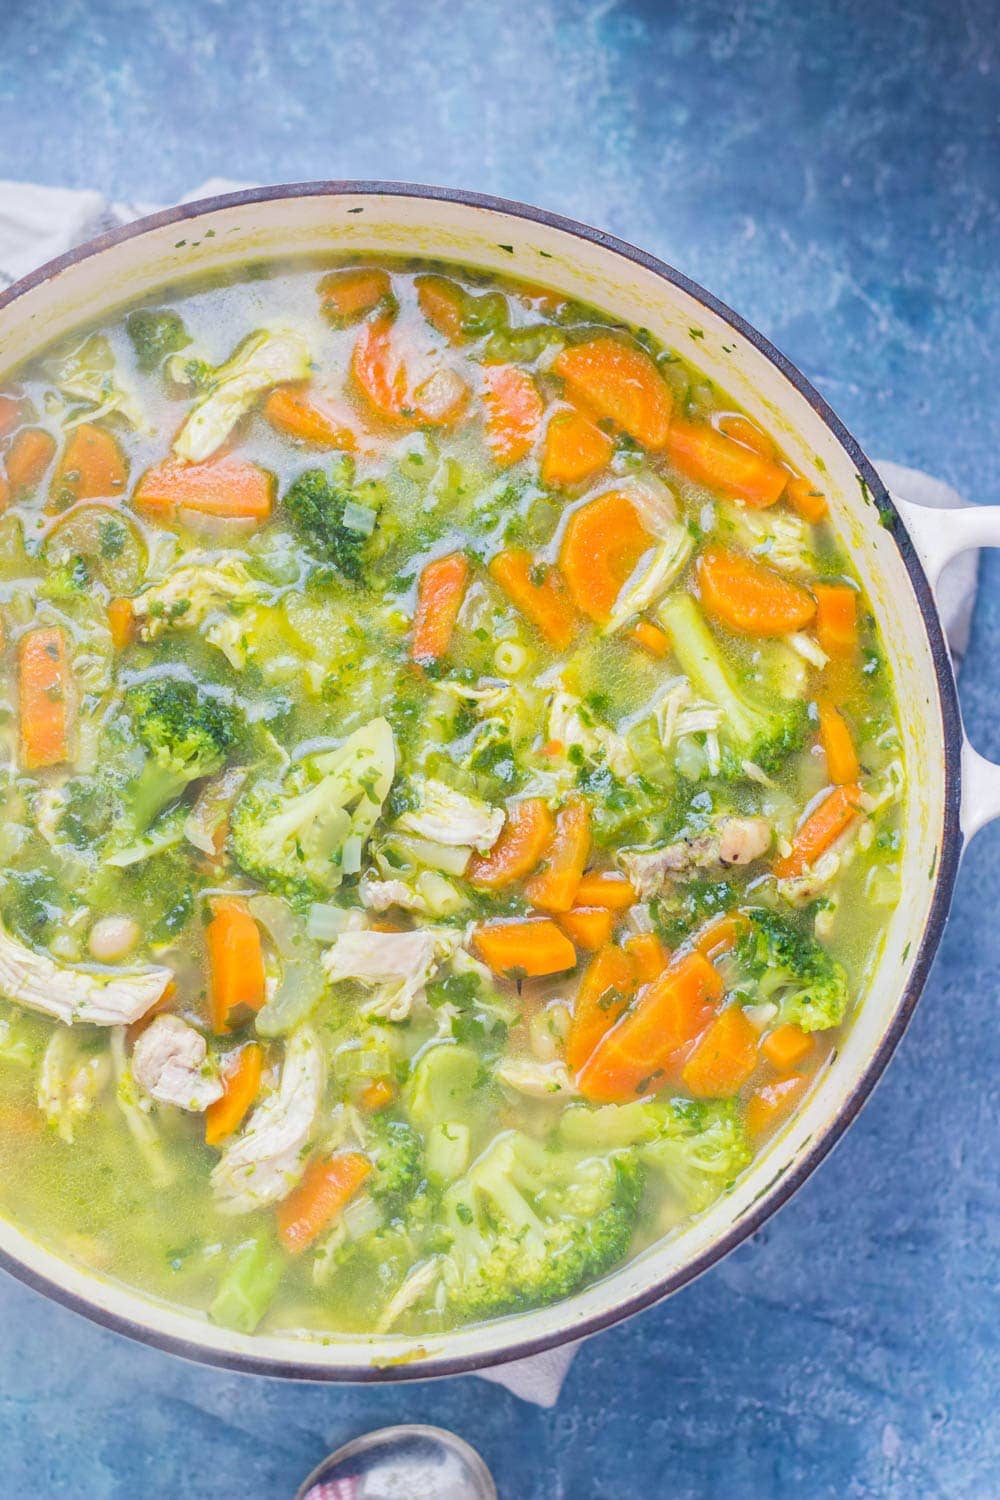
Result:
621,382
742,430
346,296
92,467
769,1104
590,927
11,413
225,486
712,459
574,449
836,618
241,1085
601,545
838,747
822,827
513,412
650,637
644,1049
443,305
606,988
29,455
721,935
45,698
540,594
311,417
723,1057
325,1190
523,840
606,889
236,963
121,623
439,598
555,886
786,1047
381,375
806,500
529,948
746,596
376,1095
648,955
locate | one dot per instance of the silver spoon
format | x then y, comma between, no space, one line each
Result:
409,1462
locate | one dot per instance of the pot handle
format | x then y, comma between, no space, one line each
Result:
939,536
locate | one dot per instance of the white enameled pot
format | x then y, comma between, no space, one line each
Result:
899,551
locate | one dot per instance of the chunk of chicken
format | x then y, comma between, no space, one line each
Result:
266,1160
169,1061
448,817
396,964
538,1080
100,998
729,841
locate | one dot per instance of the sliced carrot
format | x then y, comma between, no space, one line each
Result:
325,1190
539,592
121,623
241,1085
648,955
439,598
769,1104
721,934
590,927
381,374
746,596
836,618
225,486
346,296
29,455
621,382
311,417
822,827
529,948
606,988
443,305
606,889
555,886
742,430
806,500
376,1095
45,698
11,413
601,545
551,749
712,459
92,467
723,1057
513,412
236,963
838,746
650,637
575,448
525,836
644,1050
786,1047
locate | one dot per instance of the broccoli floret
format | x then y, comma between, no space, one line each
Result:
156,332
300,836
697,1146
750,731
791,968
531,1224
398,1153
330,522
187,732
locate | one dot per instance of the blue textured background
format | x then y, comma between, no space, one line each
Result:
831,170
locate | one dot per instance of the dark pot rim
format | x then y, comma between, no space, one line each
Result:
785,1185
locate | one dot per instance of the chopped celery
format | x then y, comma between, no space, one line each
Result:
248,1285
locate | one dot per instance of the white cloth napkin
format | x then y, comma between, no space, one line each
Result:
38,223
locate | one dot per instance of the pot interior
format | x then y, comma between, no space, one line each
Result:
340,218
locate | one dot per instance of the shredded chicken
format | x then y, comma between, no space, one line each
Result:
188,595
98,997
265,1161
417,1283
538,1080
449,817
169,1062
729,841
397,965
70,1081
571,724
799,890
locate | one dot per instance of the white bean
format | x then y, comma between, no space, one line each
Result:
111,938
